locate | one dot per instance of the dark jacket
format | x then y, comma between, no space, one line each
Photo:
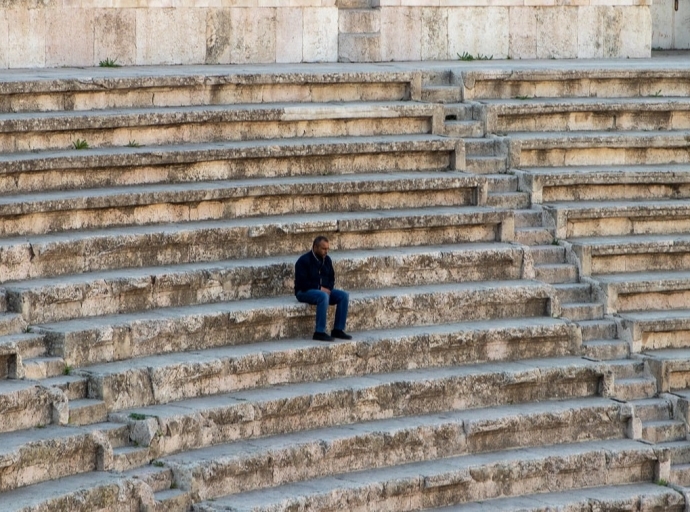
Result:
311,273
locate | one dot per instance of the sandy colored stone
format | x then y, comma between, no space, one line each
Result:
396,21
27,37
320,34
289,34
114,36
435,34
523,33
552,40
170,36
479,31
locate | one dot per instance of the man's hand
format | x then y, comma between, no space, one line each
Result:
326,290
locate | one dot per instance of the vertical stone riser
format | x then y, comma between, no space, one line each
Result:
212,330
149,292
138,96
245,420
303,462
147,386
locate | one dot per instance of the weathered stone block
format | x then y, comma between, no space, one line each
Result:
170,36
320,34
114,36
396,21
478,31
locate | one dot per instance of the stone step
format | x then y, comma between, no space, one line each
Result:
115,337
576,311
14,348
145,288
653,409
26,404
212,123
461,111
441,93
183,163
129,457
657,329
481,146
171,428
74,386
602,328
528,219
645,291
137,246
680,451
509,200
497,183
606,349
574,292
43,367
670,367
11,324
319,453
635,388
170,377
680,474
532,236
482,164
561,81
87,411
557,149
462,129
99,88
446,482
632,253
602,183
556,273
577,114
92,490
663,431
89,209
583,219
50,452
642,497
173,500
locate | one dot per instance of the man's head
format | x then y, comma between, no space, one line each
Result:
320,246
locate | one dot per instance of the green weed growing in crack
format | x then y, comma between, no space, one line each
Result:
80,144
469,57
137,416
109,63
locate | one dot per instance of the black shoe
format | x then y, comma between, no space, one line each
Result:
342,335
322,336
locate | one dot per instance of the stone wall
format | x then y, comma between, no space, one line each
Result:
54,33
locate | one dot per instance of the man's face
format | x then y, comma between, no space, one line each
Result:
321,249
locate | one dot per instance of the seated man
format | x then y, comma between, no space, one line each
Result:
315,284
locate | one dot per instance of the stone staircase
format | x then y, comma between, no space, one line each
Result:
153,356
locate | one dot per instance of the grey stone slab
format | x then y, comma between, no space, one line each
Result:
419,476
580,139
188,153
116,118
643,494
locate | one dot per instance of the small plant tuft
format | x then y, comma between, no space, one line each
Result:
137,416
662,482
657,94
133,144
173,485
522,97
28,329
469,57
67,370
109,63
80,144
158,463
555,241
41,425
